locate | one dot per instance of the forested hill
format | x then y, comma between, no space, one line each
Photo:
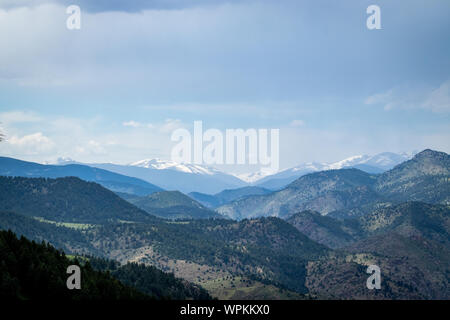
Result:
151,280
65,199
33,271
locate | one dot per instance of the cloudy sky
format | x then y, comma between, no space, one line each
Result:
115,90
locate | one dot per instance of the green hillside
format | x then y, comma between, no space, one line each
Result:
172,205
65,199
426,178
32,271
410,244
325,192
326,230
228,195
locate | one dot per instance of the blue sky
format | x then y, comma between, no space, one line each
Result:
116,89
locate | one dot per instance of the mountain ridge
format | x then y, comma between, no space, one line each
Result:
173,205
72,200
426,178
113,181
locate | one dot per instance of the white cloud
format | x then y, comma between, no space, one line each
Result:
30,144
167,126
92,147
436,100
45,138
132,123
170,125
297,123
18,117
439,99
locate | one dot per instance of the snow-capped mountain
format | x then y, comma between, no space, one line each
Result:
188,178
351,161
171,175
373,164
388,160
252,176
160,164
379,162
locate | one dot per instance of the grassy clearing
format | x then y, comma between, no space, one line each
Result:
236,288
71,225
73,257
178,222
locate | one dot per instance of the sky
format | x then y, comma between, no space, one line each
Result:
115,90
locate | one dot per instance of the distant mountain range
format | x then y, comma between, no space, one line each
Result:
172,176
113,181
335,223
188,178
371,164
426,178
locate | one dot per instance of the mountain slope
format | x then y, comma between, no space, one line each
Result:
208,200
267,249
65,199
409,242
150,280
173,205
326,230
226,196
324,192
406,219
34,271
69,240
31,271
426,178
410,219
110,180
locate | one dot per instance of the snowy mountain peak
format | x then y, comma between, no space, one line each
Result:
159,164
374,164
348,162
154,164
254,176
313,166
387,159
